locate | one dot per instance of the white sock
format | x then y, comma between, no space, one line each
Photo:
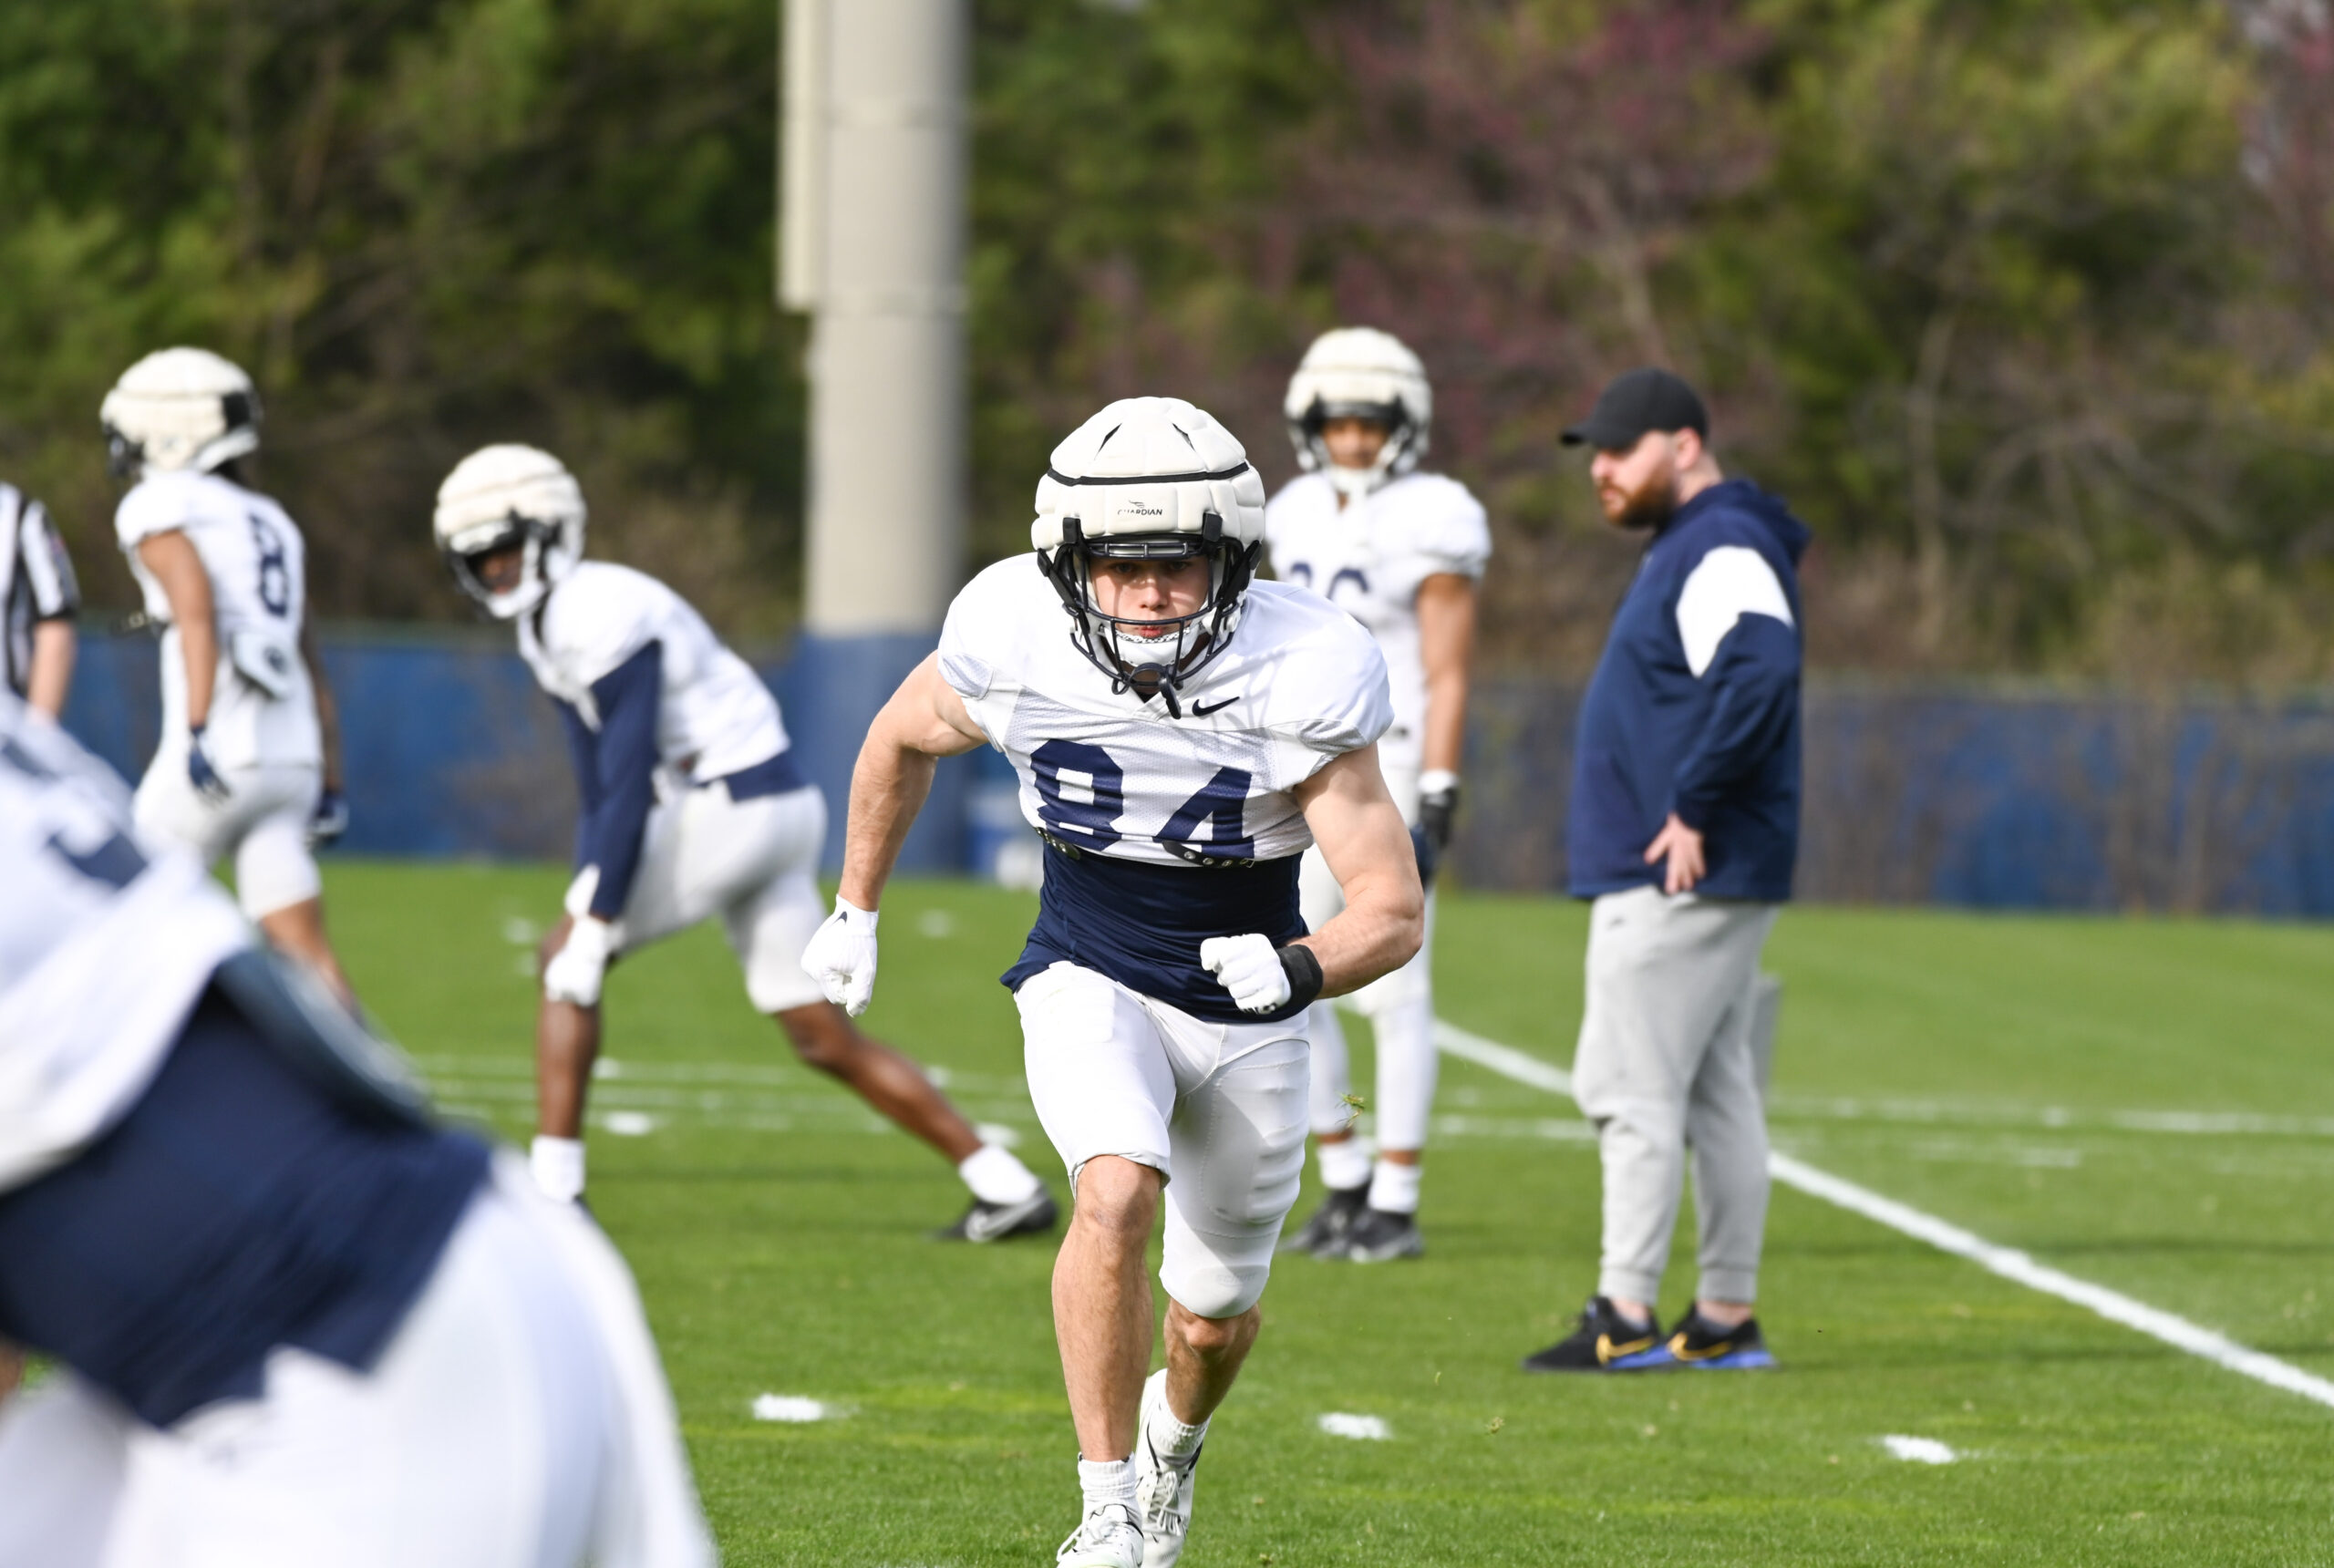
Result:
995,1176
1394,1188
1344,1164
1106,1481
558,1165
1168,1433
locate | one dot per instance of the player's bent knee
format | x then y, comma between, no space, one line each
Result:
1117,1193
821,1034
1217,1290
1213,1336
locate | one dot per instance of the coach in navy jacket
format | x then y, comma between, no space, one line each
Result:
1683,831
1694,710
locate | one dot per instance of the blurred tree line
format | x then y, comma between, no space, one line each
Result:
2027,305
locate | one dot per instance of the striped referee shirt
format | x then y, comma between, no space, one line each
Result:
35,581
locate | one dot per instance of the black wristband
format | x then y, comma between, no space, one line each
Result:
1304,971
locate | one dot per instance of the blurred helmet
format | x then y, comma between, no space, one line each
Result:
1150,478
503,496
179,408
1359,373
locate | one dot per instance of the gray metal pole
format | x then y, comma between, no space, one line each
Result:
884,273
873,244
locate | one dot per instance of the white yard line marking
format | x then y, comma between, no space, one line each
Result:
1919,1451
1366,1429
791,1407
2007,1262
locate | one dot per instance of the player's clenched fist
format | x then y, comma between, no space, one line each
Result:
841,958
1260,977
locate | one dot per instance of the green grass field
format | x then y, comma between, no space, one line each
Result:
2148,1105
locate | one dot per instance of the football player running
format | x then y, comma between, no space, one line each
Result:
693,807
248,764
1179,745
1400,552
293,1321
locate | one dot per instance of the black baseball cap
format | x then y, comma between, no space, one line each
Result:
1636,402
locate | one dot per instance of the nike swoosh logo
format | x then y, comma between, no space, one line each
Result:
1608,1352
1201,710
986,1226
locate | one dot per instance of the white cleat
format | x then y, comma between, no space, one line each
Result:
1107,1538
1164,1486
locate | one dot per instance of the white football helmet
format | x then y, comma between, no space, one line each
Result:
509,495
1359,373
179,408
1150,478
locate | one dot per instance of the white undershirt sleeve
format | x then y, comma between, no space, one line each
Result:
1730,583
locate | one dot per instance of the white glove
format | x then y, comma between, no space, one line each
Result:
575,971
841,958
1250,968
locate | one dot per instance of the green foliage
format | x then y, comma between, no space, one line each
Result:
2026,305
422,226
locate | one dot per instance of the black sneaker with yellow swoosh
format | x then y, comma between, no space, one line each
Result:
1706,1347
1604,1342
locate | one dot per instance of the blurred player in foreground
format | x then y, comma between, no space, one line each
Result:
1684,830
1399,550
1179,745
248,764
693,807
294,1322
38,599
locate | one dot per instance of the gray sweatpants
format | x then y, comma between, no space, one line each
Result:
1674,1051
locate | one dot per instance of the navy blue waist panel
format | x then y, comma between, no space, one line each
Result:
1143,925
236,1208
770,775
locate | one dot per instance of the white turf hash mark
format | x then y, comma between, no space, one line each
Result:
790,1407
2007,1262
1369,1428
629,1123
1919,1451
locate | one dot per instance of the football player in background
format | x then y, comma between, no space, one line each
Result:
693,806
38,599
293,1320
1400,552
248,764
1179,745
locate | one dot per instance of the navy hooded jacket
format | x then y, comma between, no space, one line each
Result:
1702,721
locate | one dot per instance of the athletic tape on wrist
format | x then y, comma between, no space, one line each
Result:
1303,968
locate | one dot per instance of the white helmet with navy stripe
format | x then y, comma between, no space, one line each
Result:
1150,478
179,408
505,496
1359,373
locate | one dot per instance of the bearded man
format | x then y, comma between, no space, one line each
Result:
1683,832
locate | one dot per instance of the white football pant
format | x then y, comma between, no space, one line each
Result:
754,864
1400,1008
1219,1109
262,824
518,1418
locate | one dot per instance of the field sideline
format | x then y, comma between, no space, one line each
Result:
2146,1105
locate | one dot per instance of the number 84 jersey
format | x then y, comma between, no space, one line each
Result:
1107,773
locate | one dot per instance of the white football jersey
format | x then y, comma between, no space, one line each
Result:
1108,772
104,944
263,708
714,715
1368,561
